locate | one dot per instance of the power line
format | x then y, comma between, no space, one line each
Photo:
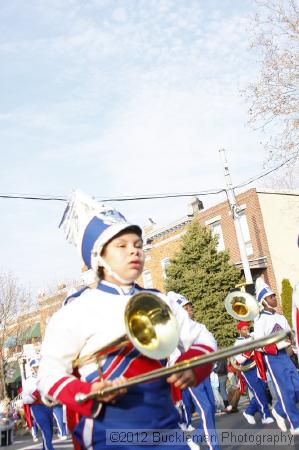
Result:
62,198
264,174
113,199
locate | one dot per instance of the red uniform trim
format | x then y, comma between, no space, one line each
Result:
65,391
201,372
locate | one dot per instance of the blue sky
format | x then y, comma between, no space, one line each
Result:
123,97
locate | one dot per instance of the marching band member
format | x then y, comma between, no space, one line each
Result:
281,369
42,414
200,397
112,248
258,402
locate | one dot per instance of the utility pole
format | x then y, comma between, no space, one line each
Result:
236,218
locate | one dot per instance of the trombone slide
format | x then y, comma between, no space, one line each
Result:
188,364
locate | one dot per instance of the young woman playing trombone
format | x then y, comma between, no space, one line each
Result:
94,317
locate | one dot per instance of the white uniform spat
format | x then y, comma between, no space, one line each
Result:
91,321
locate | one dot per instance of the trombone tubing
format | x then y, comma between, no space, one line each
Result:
188,364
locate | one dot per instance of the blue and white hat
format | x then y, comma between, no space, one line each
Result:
34,363
262,290
89,225
180,299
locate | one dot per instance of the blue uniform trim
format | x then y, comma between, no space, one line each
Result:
105,286
74,295
92,376
262,294
123,365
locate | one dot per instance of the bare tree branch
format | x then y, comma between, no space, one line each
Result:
15,303
274,96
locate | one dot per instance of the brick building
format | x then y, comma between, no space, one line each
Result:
269,222
270,226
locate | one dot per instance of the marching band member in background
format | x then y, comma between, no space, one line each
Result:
258,402
112,248
42,414
281,369
200,397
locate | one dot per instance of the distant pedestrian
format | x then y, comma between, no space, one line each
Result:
221,370
215,386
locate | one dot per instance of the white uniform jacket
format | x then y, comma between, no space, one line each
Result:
267,323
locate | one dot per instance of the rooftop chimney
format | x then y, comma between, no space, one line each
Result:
194,207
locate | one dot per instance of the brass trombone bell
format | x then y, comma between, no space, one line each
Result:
150,326
242,306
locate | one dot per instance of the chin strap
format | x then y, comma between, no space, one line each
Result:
100,261
268,306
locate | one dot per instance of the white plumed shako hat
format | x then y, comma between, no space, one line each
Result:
180,299
89,225
262,290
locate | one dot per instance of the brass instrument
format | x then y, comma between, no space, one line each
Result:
242,306
241,368
150,326
187,364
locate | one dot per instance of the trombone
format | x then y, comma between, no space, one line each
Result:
187,364
152,329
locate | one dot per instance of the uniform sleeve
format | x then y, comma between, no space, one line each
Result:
29,393
259,328
61,345
195,340
242,357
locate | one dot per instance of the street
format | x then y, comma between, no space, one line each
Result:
232,429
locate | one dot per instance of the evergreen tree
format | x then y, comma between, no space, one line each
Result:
204,276
286,300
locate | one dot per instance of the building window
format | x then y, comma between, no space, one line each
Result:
245,233
217,231
147,279
164,265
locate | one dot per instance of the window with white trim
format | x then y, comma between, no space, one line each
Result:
245,232
217,231
164,265
147,279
